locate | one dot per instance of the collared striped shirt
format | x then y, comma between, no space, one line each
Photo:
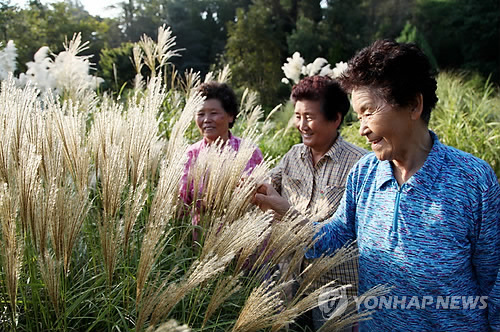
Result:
317,190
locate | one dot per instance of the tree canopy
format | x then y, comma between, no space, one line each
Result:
256,36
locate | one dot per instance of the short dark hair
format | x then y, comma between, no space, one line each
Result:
399,71
223,93
333,99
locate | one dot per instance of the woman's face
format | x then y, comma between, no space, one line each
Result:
385,126
213,121
317,132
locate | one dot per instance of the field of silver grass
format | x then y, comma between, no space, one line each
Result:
94,236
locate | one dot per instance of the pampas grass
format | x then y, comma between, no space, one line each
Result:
11,245
94,235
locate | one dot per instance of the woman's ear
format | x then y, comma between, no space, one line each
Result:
417,108
231,120
338,121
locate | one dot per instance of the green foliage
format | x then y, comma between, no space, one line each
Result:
410,34
280,135
307,40
462,33
466,116
255,51
345,28
116,66
200,26
49,25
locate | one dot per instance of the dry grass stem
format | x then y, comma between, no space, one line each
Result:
50,271
200,272
223,290
153,244
302,305
261,307
177,141
351,314
321,265
12,245
28,183
170,326
70,127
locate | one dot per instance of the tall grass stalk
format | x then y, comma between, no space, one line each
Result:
94,235
11,248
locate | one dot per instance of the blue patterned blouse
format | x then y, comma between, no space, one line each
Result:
435,239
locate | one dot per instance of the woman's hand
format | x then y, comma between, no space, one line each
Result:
267,198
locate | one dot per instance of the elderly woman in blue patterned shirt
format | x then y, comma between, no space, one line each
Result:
426,216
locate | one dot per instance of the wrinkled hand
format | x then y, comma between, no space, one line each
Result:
267,198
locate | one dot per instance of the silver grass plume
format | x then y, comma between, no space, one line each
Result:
11,245
218,167
243,236
192,80
50,271
350,314
159,52
261,307
193,104
69,126
140,145
223,290
113,180
137,60
163,208
199,272
165,202
170,326
16,107
28,182
320,266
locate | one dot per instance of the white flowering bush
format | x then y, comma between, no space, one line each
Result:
7,60
295,69
66,73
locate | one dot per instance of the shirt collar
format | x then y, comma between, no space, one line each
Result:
428,173
384,173
233,142
331,153
424,177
